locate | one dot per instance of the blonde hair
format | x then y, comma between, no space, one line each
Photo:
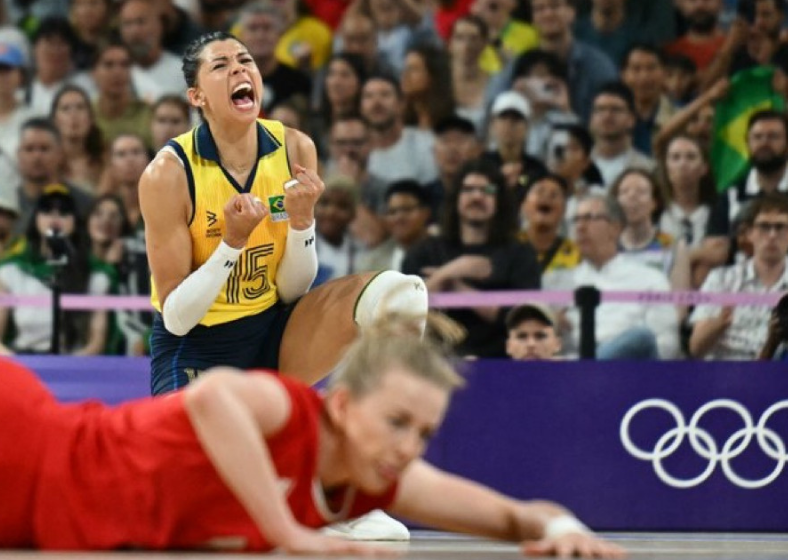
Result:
394,343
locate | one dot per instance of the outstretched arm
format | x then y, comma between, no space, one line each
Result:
232,413
430,496
233,438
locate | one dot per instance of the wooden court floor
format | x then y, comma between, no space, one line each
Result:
442,546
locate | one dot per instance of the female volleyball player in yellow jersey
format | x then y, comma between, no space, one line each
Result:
229,227
229,224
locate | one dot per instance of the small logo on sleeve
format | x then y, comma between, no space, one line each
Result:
276,204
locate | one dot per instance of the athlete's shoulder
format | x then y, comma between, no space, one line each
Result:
301,148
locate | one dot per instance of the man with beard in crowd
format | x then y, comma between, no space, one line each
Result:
703,38
476,251
154,69
767,143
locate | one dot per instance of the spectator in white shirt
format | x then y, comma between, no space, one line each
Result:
12,113
155,72
53,45
398,151
623,330
738,333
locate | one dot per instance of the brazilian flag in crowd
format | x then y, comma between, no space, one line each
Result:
750,90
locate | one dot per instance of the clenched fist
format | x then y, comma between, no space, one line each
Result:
242,213
301,197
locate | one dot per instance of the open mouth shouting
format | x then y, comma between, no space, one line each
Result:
243,96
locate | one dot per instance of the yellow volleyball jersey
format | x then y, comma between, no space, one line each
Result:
565,256
251,287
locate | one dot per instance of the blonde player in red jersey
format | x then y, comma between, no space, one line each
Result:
255,462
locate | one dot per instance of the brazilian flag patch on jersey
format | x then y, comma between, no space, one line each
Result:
276,204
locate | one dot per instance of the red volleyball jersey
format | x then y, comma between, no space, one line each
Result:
137,476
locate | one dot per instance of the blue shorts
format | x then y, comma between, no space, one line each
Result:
246,343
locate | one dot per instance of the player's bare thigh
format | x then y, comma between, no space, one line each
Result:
321,327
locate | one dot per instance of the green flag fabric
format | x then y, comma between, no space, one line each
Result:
750,91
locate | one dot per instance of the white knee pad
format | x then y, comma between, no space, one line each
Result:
392,292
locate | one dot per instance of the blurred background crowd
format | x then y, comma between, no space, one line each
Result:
482,144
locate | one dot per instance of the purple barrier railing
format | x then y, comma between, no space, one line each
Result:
647,446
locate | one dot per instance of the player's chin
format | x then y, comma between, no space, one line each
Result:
247,115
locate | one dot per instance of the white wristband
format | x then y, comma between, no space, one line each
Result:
298,267
562,525
188,303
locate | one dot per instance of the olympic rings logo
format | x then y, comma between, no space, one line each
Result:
704,444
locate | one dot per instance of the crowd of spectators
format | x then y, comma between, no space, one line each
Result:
482,144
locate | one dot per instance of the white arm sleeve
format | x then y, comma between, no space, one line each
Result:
187,304
298,267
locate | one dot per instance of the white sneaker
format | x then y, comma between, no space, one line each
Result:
374,526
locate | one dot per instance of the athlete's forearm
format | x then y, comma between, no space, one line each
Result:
298,267
188,303
235,444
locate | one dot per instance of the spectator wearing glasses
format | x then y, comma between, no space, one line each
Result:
739,333
475,252
348,148
407,217
767,144
612,125
631,331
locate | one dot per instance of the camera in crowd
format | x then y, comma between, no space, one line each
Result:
60,247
